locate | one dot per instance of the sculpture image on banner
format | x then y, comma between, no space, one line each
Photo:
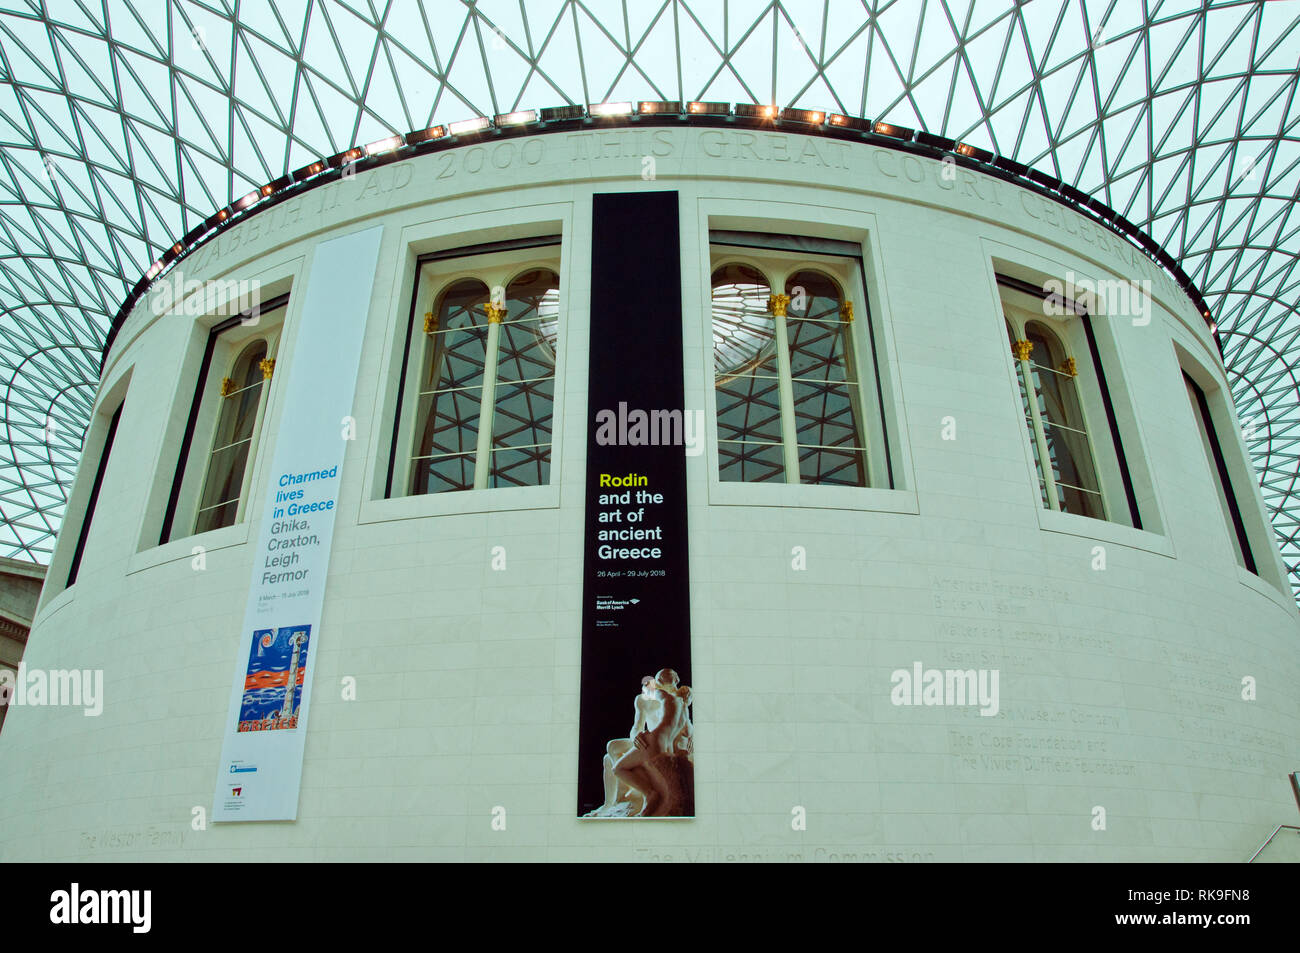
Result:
277,666
651,772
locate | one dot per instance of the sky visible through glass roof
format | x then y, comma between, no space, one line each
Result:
123,125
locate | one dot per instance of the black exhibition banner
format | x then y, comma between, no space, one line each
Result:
635,755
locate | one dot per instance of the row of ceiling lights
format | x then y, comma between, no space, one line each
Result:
808,119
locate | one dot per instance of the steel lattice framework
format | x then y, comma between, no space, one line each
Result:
123,125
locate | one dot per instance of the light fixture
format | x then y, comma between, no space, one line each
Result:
1011,165
709,109
424,135
217,218
519,117
894,132
659,108
937,142
383,145
562,113
1045,180
609,109
466,126
974,152
307,171
808,117
755,111
343,158
840,121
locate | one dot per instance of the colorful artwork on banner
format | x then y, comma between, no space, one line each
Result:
277,668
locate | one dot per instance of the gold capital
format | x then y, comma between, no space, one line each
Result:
495,312
846,312
430,322
777,304
1022,349
227,386
268,368
1070,367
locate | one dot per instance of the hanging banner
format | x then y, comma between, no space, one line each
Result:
635,754
261,756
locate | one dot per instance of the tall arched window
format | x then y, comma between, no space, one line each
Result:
218,450
788,394
241,394
824,382
524,393
450,399
484,406
1058,432
746,377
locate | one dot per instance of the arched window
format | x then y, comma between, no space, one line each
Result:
524,393
746,376
1058,432
241,394
218,450
823,382
450,399
484,411
789,404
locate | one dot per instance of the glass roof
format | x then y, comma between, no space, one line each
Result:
123,125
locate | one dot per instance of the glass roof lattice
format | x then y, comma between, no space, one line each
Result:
125,125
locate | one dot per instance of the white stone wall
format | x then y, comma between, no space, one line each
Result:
1119,689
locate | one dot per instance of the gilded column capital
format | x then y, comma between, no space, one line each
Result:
1068,366
430,322
776,304
495,312
268,367
1022,349
227,386
846,312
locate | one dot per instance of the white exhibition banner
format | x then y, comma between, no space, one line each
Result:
261,755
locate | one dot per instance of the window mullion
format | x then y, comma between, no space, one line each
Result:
789,437
1031,398
487,403
259,415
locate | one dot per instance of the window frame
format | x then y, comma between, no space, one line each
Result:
221,350
1073,331
778,257
1218,467
484,263
101,468
1195,358
266,346
1029,367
